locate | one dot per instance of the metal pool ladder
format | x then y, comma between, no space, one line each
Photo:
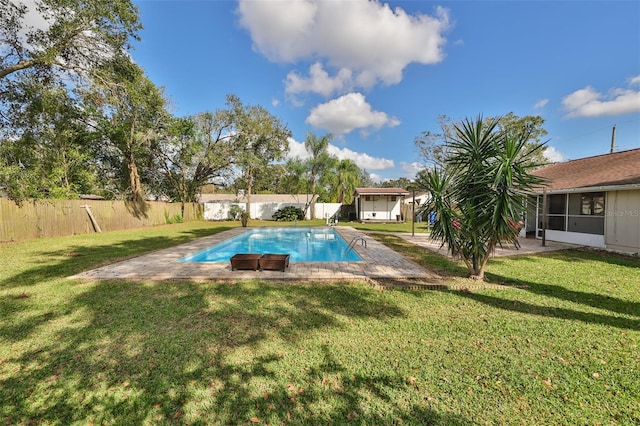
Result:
353,242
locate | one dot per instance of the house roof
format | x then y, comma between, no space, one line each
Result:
256,198
616,169
90,197
381,191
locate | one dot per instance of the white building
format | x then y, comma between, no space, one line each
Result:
263,206
380,204
592,201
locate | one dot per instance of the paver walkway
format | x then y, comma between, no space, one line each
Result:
527,245
378,261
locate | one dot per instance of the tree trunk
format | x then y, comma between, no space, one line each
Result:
479,265
65,167
184,195
312,213
134,178
477,276
477,268
249,188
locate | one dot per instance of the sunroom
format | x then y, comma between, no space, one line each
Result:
592,201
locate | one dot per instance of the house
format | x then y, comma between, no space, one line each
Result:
420,198
416,203
592,201
379,204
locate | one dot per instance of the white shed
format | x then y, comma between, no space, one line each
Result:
380,204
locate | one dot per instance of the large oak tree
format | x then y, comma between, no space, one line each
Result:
130,113
70,36
258,138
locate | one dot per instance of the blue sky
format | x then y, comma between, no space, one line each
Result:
376,75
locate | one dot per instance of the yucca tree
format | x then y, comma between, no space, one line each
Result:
481,192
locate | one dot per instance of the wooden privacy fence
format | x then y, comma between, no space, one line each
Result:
53,218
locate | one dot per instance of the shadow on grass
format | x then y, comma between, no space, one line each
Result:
614,305
576,255
74,259
326,393
450,269
595,300
434,262
134,353
553,311
592,299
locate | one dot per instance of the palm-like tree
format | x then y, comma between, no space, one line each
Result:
481,191
295,181
345,181
318,161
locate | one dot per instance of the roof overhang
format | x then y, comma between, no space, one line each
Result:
603,188
382,191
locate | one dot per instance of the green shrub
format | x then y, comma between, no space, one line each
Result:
288,214
235,212
177,218
244,219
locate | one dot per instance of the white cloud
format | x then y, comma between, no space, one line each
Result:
634,80
319,81
346,113
34,19
364,161
410,170
541,103
376,178
297,150
552,154
588,102
275,102
366,41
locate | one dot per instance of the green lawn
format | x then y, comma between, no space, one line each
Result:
418,228
561,350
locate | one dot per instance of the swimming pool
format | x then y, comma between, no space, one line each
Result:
303,244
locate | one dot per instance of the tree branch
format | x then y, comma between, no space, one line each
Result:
28,63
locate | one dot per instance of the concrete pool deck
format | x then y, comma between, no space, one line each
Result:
378,262
527,245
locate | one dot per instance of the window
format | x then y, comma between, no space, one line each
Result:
593,204
392,198
586,213
556,218
557,203
367,197
577,212
554,223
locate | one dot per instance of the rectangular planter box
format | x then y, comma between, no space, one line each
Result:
274,262
245,261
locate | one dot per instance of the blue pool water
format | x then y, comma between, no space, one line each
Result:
303,244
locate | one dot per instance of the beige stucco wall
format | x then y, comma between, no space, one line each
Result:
380,207
622,221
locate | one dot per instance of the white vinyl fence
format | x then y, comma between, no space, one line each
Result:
219,210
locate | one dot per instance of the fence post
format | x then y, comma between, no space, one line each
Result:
94,222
